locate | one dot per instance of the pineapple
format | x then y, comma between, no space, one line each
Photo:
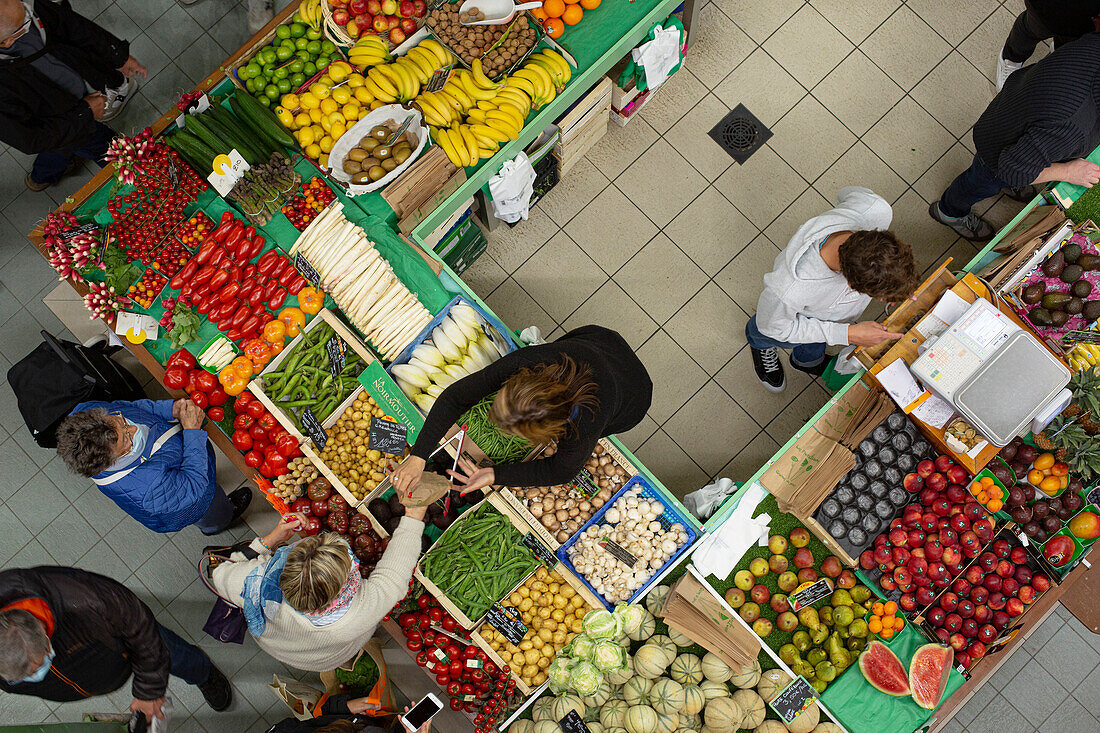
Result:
1085,403
1063,437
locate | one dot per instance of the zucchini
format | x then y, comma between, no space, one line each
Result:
230,122
195,125
257,126
243,146
197,154
263,119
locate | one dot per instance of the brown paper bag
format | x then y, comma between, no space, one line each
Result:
382,693
431,488
304,701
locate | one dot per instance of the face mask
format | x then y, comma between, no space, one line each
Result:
40,674
139,440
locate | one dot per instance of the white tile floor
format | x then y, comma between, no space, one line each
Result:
880,93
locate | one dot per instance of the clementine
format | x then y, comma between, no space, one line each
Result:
572,14
554,27
540,14
590,4
553,8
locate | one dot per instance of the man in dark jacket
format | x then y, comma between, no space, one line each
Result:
67,634
1061,20
1036,130
61,76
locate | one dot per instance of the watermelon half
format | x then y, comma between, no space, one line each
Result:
928,673
883,670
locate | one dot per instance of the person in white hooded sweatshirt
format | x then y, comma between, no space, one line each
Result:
823,281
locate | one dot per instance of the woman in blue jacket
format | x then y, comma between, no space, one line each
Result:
159,471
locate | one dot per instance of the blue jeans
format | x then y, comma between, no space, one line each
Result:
50,165
218,516
806,355
971,186
189,663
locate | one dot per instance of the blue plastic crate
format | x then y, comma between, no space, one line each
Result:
489,318
669,516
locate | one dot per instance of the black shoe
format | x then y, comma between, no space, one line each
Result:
971,226
814,371
217,690
240,499
769,370
1023,195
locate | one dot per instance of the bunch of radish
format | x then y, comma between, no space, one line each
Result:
104,302
127,153
361,281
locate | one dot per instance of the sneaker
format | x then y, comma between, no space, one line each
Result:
260,13
240,499
971,226
814,371
1024,195
217,690
117,98
1005,69
769,370
35,185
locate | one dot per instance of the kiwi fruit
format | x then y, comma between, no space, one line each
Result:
357,154
380,132
361,177
1082,288
1072,273
1091,311
401,155
1071,252
1089,262
1054,265
1059,318
369,163
1074,306
369,144
389,164
382,152
1040,316
352,166
1034,293
377,172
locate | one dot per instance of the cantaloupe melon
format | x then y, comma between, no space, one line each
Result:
541,709
806,721
772,683
612,712
687,669
650,661
723,714
636,691
752,705
561,706
747,676
645,628
640,719
666,696
694,700
715,669
656,598
712,690
522,726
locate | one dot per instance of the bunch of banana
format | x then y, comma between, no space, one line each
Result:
536,82
310,12
391,83
370,50
462,146
1084,356
555,65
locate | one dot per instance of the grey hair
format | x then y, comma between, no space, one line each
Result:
22,640
86,442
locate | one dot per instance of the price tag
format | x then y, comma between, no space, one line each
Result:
387,436
542,552
793,700
228,169
585,483
82,229
506,621
474,663
572,723
313,428
173,173
306,269
1001,642
440,656
809,593
336,349
618,551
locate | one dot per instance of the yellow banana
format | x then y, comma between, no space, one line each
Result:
431,116
477,115
425,69
508,115
462,155
371,41
515,97
546,66
366,61
425,57
492,133
485,140
503,128
442,54
538,76
396,76
565,72
455,90
382,80
441,137
486,105
472,89
521,84
513,106
441,108
478,77
471,144
417,73
382,95
449,99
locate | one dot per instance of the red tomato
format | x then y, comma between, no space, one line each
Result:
218,396
456,704
206,381
175,377
217,414
449,624
255,409
435,613
267,421
242,399
302,506
253,459
242,440
406,620
424,600
413,646
242,422
422,659
257,432
199,398
455,669
443,679
313,526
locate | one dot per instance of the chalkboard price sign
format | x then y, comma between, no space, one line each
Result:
307,270
388,437
585,483
793,700
313,428
542,552
619,552
572,723
807,595
336,349
82,229
507,622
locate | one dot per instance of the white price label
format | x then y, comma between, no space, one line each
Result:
228,169
200,105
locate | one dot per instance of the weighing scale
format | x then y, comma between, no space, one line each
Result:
994,373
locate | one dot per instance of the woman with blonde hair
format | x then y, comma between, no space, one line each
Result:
585,386
306,603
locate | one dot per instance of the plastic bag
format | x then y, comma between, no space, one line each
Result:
705,501
531,336
512,188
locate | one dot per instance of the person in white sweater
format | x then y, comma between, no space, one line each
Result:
823,281
306,604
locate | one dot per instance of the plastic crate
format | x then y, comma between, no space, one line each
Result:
669,516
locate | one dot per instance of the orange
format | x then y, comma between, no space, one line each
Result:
891,608
553,8
571,2
986,481
540,14
572,14
874,625
554,27
982,497
877,609
590,4
996,493
995,505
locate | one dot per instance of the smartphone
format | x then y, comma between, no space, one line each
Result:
421,713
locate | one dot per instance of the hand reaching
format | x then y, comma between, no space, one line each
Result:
471,477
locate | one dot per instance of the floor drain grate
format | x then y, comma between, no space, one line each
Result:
740,134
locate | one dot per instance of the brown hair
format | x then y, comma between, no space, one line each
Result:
316,569
86,441
536,402
879,264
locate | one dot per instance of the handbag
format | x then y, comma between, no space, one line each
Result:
226,622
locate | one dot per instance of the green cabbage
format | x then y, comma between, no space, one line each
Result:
631,615
580,648
608,656
558,673
602,624
585,678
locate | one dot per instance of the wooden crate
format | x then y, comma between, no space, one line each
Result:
495,500
521,509
256,385
412,218
595,100
571,148
574,582
420,182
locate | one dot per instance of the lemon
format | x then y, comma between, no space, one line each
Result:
284,117
351,111
336,117
326,125
319,90
323,160
328,106
337,72
326,143
341,95
305,137
313,150
302,120
315,115
318,132
376,104
326,80
290,101
338,130
355,80
309,100
363,95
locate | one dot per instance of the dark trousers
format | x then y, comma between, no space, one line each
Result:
971,186
807,355
189,663
49,166
1028,31
218,516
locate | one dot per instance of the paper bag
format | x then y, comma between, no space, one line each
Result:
380,697
304,701
431,488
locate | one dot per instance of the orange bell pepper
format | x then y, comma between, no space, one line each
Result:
243,365
311,299
294,320
231,380
274,331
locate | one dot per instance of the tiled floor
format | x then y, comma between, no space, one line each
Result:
878,93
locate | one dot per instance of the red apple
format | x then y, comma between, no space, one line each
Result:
942,507
420,8
927,496
898,537
1000,620
976,650
960,524
882,554
1040,582
952,622
380,25
963,658
997,600
936,616
867,559
1014,607
408,25
359,7
937,570
955,493
405,9
951,557
918,566
933,550
1006,569
807,575
340,17
900,556
942,635
987,561
1001,548
969,628
1010,587
916,538
949,537
973,511
957,641
1026,594
982,614
803,558
924,596
970,543
907,602
374,7
965,608
949,601
979,594
925,469
974,574
881,539
936,482
913,483
887,583
961,586
983,528
943,463
992,582
929,522
956,474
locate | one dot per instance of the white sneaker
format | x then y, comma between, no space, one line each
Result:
260,13
117,98
1004,70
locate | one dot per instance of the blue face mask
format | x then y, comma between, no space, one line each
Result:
136,449
40,674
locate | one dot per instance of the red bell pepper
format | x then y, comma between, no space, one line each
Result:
222,311
265,264
200,398
244,287
175,376
183,358
249,231
277,299
242,441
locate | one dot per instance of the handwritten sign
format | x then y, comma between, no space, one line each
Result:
542,552
506,620
793,700
336,349
619,552
313,428
228,169
89,228
307,270
572,723
808,594
387,436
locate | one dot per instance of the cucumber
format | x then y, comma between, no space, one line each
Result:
257,126
195,125
263,119
243,146
197,154
230,122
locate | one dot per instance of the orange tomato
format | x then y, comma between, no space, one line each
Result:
886,633
572,14
878,609
554,27
590,4
1035,477
982,497
553,8
975,488
987,481
899,622
891,608
874,625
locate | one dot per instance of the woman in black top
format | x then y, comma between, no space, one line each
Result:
586,385
343,714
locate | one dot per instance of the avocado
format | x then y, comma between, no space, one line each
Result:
1074,306
1071,252
1059,318
1072,273
1054,265
1054,301
1034,293
1040,316
1089,262
1091,311
1082,288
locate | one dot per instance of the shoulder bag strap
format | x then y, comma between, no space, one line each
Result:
175,430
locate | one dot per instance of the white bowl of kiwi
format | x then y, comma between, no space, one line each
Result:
368,156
